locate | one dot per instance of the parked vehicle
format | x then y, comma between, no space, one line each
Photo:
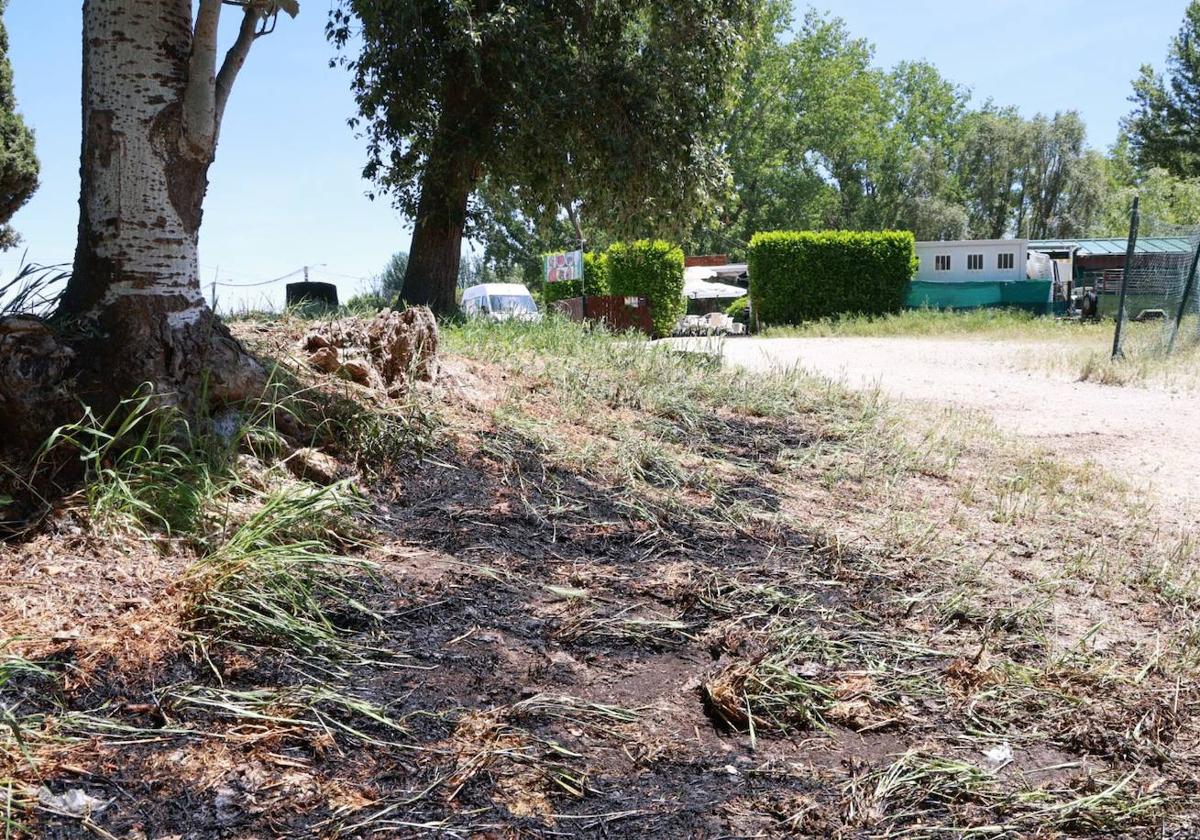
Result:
500,302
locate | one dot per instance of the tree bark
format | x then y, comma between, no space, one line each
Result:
446,185
436,252
150,121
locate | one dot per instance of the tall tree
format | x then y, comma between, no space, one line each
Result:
1167,202
911,183
842,111
154,94
600,110
989,169
18,163
1054,153
1164,128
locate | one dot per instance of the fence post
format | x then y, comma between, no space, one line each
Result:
1187,293
1134,218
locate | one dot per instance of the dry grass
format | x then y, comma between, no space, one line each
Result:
616,591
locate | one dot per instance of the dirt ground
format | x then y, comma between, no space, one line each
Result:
1148,437
695,606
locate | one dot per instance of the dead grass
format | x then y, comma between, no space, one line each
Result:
614,591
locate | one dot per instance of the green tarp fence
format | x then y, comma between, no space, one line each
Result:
1031,295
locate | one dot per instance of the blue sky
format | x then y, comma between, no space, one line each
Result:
286,188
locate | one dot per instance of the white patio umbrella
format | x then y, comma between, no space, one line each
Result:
706,290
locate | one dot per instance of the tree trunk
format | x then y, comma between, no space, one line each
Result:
151,111
446,186
436,251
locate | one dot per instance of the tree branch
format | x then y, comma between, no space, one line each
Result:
235,59
199,125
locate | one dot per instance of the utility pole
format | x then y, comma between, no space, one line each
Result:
213,294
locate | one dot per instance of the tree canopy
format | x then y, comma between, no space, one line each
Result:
1163,126
18,162
602,110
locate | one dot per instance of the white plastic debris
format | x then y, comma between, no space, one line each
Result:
75,802
998,756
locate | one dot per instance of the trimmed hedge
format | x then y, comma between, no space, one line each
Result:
654,270
804,276
595,272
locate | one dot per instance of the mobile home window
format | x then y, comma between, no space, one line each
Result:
974,262
1005,262
941,262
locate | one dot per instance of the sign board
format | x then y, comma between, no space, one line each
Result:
558,268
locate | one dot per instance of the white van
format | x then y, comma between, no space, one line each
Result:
500,302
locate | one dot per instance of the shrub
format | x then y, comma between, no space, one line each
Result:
739,310
654,270
595,272
803,276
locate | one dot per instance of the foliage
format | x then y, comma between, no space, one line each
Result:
33,290
1162,127
820,138
387,286
391,280
802,104
595,279
603,110
654,270
801,276
18,162
739,310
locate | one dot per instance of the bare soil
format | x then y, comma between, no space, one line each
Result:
1146,436
564,651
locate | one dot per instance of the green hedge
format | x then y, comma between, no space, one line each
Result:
804,276
595,271
654,270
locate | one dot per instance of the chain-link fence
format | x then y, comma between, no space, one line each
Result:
1158,302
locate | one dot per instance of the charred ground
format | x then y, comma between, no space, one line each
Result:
586,588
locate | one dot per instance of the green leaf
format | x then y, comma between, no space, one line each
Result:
5,501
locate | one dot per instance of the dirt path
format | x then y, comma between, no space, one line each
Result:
1150,437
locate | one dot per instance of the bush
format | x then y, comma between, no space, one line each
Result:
595,272
803,276
654,270
739,310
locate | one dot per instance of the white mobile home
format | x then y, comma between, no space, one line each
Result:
968,261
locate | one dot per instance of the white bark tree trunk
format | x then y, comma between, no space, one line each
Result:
150,121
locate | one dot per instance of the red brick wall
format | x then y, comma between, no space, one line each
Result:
707,261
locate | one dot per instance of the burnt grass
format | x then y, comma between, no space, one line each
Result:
548,654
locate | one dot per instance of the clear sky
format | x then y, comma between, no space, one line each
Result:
286,188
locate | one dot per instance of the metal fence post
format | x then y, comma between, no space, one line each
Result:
1187,293
1134,218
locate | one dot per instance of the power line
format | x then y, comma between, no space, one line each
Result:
262,283
339,276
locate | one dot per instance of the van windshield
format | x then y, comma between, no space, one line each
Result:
511,303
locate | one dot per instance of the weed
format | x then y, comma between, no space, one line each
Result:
274,578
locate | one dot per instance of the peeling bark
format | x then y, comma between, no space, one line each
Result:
151,119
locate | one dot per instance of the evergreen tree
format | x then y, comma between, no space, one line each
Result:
18,163
1163,126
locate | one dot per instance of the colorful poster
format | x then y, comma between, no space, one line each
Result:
559,268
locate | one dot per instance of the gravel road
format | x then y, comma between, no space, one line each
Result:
1150,437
